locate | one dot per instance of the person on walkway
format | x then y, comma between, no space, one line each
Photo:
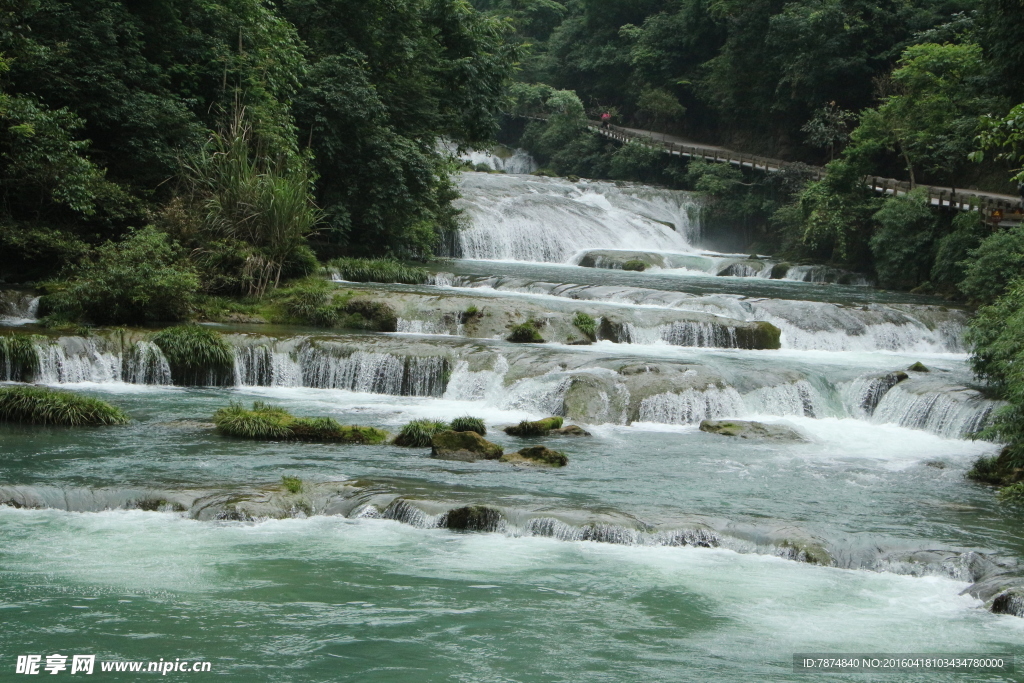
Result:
606,119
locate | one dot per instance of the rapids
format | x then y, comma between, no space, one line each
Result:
661,552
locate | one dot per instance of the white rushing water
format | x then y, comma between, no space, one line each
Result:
526,218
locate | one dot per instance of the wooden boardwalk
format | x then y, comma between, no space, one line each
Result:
999,207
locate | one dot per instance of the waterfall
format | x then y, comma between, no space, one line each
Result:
704,335
376,373
953,412
18,308
797,398
82,359
525,218
264,366
691,406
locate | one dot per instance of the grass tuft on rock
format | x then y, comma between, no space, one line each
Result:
469,424
292,484
197,356
537,428
43,406
635,265
18,359
586,324
377,270
270,423
525,334
420,433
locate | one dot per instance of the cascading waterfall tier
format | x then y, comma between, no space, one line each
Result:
526,218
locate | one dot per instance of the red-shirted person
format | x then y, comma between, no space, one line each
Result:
606,118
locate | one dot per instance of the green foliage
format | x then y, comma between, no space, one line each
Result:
1013,493
586,323
994,264
902,244
636,161
525,333
237,193
376,270
18,359
987,470
312,302
142,279
1005,135
837,213
42,406
291,484
469,424
197,355
829,128
270,423
955,248
420,433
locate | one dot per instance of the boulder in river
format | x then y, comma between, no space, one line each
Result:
473,518
918,367
569,430
467,446
538,456
751,430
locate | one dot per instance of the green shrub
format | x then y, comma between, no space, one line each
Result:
312,302
987,470
469,424
634,265
292,484
903,242
18,359
376,270
585,324
525,334
139,280
270,423
197,356
537,428
372,315
997,260
420,433
39,405
1013,493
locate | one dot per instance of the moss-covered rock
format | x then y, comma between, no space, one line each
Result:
536,428
918,367
750,430
779,270
635,265
468,446
569,430
537,456
805,551
758,335
473,518
44,406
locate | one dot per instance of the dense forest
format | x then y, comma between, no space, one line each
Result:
158,152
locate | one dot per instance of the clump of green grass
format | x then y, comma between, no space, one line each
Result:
634,264
198,356
525,334
18,359
420,433
585,324
270,423
469,424
377,270
312,303
537,428
43,406
292,484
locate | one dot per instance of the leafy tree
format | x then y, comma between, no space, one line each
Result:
954,250
1006,135
997,261
829,127
903,242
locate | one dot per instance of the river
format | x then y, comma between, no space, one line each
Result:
660,553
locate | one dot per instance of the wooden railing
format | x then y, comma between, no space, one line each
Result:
991,204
